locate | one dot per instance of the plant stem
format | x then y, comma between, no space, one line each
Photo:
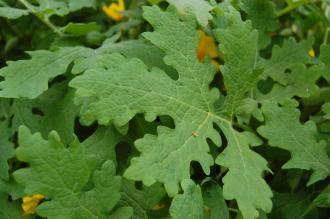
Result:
291,7
326,35
43,19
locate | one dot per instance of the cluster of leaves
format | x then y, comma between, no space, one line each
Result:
122,120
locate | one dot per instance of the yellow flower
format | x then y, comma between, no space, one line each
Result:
115,10
311,53
30,203
206,46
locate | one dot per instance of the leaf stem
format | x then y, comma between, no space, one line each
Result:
326,36
43,19
233,210
291,7
13,28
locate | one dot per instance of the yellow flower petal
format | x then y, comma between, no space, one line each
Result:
206,46
311,53
115,10
30,203
158,207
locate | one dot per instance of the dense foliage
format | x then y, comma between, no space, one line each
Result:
164,109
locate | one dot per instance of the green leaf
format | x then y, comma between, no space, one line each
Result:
200,8
288,206
122,213
12,188
141,49
189,204
103,144
68,177
324,57
299,139
115,94
326,110
11,210
286,57
289,73
7,152
263,17
148,53
244,180
80,29
323,199
239,71
29,78
53,110
6,148
214,201
142,201
300,82
12,13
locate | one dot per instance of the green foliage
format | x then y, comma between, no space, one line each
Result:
43,66
63,174
10,210
263,17
214,201
128,118
299,140
199,8
189,204
12,13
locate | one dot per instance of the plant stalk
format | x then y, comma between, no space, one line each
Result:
291,7
43,19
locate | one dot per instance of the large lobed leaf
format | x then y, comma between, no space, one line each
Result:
121,88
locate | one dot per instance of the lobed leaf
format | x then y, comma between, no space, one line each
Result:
115,94
74,187
29,78
299,139
189,204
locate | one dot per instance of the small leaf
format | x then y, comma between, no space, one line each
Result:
80,29
12,13
200,8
